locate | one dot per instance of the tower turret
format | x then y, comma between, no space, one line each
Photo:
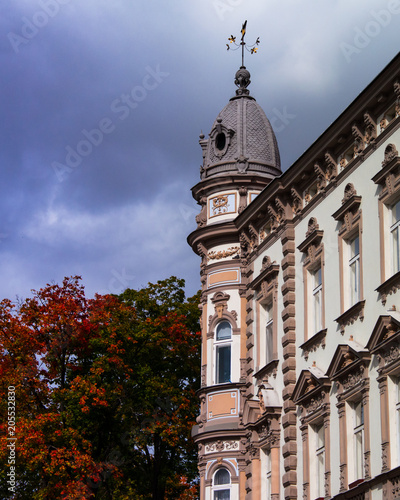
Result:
240,157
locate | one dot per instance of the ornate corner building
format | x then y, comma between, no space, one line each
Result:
300,272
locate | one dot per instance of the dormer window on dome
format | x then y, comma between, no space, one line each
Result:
221,138
220,141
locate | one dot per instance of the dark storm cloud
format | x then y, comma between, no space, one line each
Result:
102,105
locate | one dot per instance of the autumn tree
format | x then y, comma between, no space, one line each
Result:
105,393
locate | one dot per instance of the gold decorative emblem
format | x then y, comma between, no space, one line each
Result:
220,205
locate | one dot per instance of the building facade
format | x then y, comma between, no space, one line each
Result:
300,273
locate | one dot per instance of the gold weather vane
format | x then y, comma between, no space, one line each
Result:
252,49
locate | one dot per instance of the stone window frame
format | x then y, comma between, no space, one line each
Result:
349,370
268,431
313,249
384,343
388,179
349,215
222,463
311,395
266,287
221,487
218,345
220,302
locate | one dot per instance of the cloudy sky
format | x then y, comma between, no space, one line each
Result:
102,104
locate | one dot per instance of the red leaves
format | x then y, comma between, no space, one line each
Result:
104,390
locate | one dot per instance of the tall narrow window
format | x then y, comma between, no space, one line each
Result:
358,419
222,482
397,388
320,460
395,236
317,299
266,473
269,333
223,352
354,269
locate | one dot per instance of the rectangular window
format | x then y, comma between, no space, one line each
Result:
222,495
398,419
317,460
395,237
223,364
358,422
320,454
269,334
316,284
268,476
354,269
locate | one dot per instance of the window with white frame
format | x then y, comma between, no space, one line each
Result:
223,340
222,485
358,439
397,388
319,436
395,236
316,291
269,333
353,246
266,475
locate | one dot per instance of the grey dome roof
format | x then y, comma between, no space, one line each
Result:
241,140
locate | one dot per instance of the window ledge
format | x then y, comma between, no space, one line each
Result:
355,483
314,342
351,315
267,370
389,287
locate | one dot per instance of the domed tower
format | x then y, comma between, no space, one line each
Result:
240,157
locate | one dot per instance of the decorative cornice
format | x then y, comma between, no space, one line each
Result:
268,274
389,287
313,343
351,315
350,205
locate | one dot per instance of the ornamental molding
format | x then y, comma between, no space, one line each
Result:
349,213
389,287
350,316
389,175
359,139
311,391
267,280
243,199
312,245
331,166
223,254
297,200
349,368
353,379
201,218
348,360
315,404
314,343
321,176
221,446
267,371
370,128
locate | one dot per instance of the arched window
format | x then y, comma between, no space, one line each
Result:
222,485
223,340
